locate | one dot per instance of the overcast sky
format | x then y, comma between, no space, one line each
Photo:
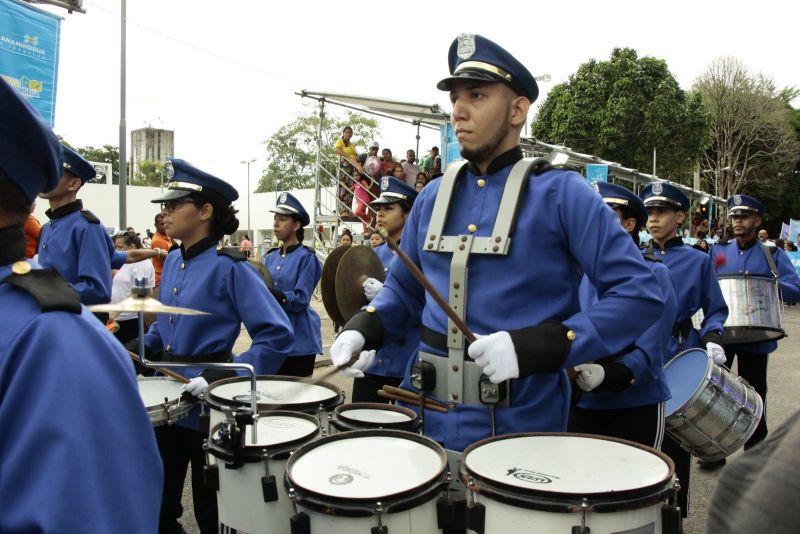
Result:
223,74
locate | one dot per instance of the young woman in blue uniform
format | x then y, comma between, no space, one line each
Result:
207,277
623,396
295,272
393,205
696,287
77,452
745,254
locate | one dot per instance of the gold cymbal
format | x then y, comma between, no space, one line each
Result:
146,305
328,285
356,265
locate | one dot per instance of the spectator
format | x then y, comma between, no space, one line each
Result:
387,162
419,185
363,198
701,244
763,236
372,166
410,168
32,230
162,242
347,163
246,245
788,246
346,239
375,239
427,162
122,284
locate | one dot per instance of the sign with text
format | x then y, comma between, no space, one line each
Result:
596,173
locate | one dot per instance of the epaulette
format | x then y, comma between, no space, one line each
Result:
652,257
311,250
541,166
273,249
89,216
231,252
48,287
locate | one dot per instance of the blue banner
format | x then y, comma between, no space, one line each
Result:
29,40
596,172
451,150
794,257
794,229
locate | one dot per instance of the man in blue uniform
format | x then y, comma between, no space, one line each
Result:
77,453
73,241
393,206
746,254
696,287
510,269
624,396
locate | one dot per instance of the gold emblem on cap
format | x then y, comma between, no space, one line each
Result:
472,228
21,267
571,335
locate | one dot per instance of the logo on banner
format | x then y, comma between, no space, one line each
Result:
28,87
28,46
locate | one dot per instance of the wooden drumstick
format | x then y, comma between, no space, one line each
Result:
163,371
410,395
428,404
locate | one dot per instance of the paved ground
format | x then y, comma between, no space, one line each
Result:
784,375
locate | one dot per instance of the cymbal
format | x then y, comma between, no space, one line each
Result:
357,264
263,271
146,305
328,285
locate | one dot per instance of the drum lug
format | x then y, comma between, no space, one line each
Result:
582,528
477,517
671,519
269,486
300,524
211,475
381,528
451,511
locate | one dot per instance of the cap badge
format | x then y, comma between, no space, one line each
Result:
169,172
385,183
737,200
282,198
657,188
466,46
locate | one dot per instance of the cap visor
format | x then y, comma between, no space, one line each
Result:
284,211
384,200
662,204
447,83
171,194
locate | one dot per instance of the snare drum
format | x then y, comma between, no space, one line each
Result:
754,308
286,393
549,482
249,477
162,396
712,413
356,481
366,415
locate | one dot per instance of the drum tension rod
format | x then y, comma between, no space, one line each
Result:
380,529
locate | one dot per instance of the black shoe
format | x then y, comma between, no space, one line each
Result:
711,465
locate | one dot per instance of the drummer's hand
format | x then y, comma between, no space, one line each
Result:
345,346
716,352
496,356
198,387
364,362
371,288
590,375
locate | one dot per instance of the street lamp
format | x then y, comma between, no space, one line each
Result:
243,162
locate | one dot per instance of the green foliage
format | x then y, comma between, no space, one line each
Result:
623,108
150,173
292,150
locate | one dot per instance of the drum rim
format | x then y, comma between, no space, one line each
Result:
255,453
733,276
219,403
177,408
697,392
341,421
607,501
351,507
727,341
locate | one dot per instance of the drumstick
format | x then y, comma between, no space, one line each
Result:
428,404
165,372
410,395
428,286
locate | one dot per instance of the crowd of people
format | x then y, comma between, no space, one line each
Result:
571,324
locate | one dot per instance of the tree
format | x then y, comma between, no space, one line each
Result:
623,108
292,150
107,154
754,146
150,173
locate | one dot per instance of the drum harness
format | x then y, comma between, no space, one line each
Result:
465,383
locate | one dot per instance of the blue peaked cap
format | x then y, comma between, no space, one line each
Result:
186,179
288,204
617,196
664,195
394,190
76,165
741,203
30,154
474,57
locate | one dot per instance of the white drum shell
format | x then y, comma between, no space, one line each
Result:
418,520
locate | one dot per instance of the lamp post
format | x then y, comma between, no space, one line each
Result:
248,162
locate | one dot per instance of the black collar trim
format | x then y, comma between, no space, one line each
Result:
676,241
748,245
75,205
290,249
12,244
198,248
500,162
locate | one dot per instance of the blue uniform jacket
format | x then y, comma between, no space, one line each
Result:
233,293
751,259
296,274
646,360
392,358
563,230
696,287
77,453
80,250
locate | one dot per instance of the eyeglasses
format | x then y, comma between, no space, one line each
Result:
172,205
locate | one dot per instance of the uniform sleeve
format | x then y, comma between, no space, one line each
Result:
94,266
714,307
309,273
789,281
265,321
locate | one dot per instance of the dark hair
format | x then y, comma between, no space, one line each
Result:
223,221
13,203
301,232
405,205
157,217
130,237
347,231
628,213
347,128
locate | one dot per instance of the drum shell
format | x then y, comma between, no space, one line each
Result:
409,512
754,309
721,415
164,413
339,421
510,509
240,499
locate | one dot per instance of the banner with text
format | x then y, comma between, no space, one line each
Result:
29,40
596,173
795,259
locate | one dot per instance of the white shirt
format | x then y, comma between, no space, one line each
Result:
123,283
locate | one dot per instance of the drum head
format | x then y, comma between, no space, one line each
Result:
367,465
289,393
685,373
374,414
155,389
566,464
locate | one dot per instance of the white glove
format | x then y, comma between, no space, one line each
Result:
371,288
198,387
590,375
496,356
716,352
364,362
348,344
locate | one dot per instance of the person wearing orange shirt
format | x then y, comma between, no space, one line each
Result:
163,242
32,230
